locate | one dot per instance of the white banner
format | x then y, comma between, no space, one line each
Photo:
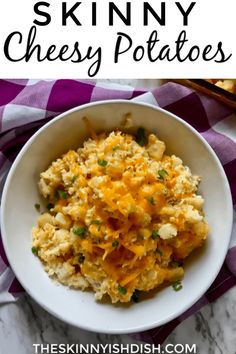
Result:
117,39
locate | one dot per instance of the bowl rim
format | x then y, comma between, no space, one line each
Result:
17,160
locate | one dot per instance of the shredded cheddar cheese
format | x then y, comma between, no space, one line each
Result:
122,212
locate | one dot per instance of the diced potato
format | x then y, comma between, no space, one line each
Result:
156,147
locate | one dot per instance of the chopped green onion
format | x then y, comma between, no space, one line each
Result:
95,222
62,194
122,290
151,200
140,137
102,163
159,251
115,244
34,250
74,178
154,234
136,296
37,206
115,148
80,231
175,264
50,206
177,285
140,237
81,258
162,174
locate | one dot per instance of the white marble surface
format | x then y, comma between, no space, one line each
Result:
23,323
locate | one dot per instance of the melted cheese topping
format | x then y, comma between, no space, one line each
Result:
119,215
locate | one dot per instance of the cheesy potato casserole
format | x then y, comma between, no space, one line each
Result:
122,216
225,84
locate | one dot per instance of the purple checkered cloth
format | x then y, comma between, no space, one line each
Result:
25,105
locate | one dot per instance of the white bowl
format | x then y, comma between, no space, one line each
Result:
18,215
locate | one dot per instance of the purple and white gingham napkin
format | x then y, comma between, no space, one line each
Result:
25,105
